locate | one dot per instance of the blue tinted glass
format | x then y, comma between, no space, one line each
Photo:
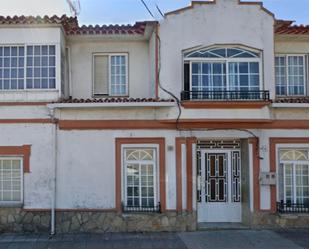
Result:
13,84
52,61
37,72
29,50
21,62
20,84
44,72
6,51
52,72
254,80
29,72
37,61
14,73
44,61
217,81
44,83
1,73
233,67
6,62
44,50
243,67
195,80
6,84
20,73
36,84
217,68
13,62
196,68
29,61
6,73
243,80
254,67
14,51
29,83
206,67
1,64
52,83
52,50
21,51
219,52
1,83
37,50
1,51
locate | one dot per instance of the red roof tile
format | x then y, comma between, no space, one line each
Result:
115,100
283,27
292,100
137,29
71,27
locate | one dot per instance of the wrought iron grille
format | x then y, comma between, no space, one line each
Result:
292,208
142,209
226,95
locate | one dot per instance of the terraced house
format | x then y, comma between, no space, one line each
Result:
158,126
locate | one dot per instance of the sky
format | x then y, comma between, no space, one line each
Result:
129,11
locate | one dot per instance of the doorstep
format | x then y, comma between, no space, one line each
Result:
220,226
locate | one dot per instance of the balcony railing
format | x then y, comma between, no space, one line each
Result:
225,95
142,209
288,208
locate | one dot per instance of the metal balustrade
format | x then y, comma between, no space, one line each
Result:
292,208
225,95
142,209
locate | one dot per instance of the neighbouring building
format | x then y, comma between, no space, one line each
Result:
156,126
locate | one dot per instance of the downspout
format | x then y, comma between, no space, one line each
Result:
54,179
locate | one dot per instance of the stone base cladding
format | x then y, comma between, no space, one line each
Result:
268,220
17,220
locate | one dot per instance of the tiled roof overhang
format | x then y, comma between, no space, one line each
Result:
283,27
71,26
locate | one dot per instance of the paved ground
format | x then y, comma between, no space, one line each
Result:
238,239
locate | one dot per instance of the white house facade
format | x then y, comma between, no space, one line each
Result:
157,126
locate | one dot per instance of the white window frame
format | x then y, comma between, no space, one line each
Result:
226,61
109,74
278,162
156,170
15,203
286,57
57,67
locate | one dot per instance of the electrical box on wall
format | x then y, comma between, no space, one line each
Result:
268,178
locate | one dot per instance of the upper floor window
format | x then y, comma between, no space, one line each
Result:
290,75
222,69
110,74
27,67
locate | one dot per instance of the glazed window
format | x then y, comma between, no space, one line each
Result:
290,75
11,180
294,179
223,69
110,74
140,165
27,67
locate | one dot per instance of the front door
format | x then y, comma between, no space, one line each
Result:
218,190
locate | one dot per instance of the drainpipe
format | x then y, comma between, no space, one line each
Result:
54,179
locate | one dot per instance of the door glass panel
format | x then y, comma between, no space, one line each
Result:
212,165
212,190
221,166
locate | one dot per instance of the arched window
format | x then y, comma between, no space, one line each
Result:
221,69
294,177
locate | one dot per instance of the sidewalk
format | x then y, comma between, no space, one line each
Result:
246,239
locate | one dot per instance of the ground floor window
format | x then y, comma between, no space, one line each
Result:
294,178
140,166
11,180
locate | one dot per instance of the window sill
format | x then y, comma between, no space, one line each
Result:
224,104
11,205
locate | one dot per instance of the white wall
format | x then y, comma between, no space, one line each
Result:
225,22
37,183
81,66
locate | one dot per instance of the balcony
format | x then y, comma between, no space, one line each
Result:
292,208
225,96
